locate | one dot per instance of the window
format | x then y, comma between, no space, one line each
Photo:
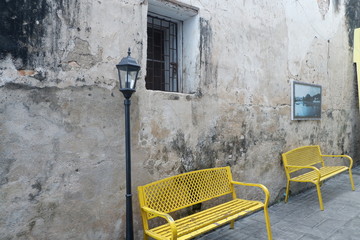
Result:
170,47
162,55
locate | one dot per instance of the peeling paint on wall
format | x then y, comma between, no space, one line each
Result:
80,56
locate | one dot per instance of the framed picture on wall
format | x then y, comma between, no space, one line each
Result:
305,101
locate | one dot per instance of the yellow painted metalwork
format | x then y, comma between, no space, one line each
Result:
356,56
310,160
160,198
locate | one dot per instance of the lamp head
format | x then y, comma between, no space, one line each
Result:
128,70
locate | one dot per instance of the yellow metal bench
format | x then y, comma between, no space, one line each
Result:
311,159
165,196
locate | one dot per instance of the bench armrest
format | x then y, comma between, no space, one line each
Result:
266,191
167,217
341,156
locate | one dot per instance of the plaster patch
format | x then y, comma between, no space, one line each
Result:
323,6
80,56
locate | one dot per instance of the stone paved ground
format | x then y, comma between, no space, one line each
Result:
302,219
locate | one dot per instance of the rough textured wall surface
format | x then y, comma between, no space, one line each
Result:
62,168
58,178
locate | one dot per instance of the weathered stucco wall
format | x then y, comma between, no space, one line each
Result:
62,168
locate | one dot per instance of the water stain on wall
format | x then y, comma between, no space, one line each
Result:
25,26
336,4
206,64
22,29
210,147
5,165
352,13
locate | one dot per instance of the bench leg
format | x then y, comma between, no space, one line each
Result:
232,224
319,196
267,221
287,190
351,180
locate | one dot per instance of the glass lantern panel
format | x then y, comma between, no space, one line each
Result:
128,77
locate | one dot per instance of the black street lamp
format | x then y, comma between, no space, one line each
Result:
128,70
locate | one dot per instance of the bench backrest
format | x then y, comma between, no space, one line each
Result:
184,190
302,156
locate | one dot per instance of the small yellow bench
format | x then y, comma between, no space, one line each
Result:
311,159
165,196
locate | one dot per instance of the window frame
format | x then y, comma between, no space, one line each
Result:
179,53
187,17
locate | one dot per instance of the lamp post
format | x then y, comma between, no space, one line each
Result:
128,70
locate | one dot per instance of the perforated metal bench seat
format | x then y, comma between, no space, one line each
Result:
308,158
325,173
204,221
161,198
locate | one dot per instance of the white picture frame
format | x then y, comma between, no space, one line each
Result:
305,101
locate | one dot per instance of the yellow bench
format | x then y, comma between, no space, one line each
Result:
311,159
165,196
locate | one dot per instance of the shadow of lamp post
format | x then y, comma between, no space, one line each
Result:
128,70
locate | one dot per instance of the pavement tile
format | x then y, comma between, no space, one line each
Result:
310,237
353,224
340,213
342,234
311,220
330,226
255,229
228,234
300,228
286,235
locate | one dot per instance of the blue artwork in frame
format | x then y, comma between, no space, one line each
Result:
305,101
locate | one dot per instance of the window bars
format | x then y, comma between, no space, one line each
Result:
162,55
